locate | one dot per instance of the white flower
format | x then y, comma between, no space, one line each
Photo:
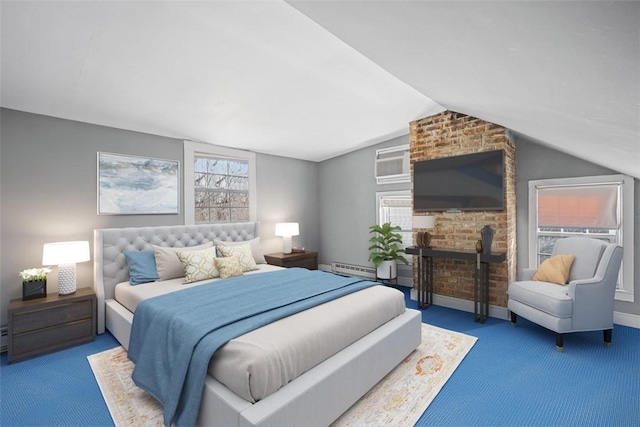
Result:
32,274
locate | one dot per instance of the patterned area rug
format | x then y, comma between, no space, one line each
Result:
399,399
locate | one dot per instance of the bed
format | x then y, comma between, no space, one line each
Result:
316,397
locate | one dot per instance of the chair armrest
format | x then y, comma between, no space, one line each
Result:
593,299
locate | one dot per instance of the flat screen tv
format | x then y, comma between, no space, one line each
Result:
459,183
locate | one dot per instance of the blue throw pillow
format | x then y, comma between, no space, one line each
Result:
142,267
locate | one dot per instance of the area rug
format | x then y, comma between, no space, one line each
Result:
397,400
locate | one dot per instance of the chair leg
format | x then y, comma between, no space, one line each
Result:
559,343
514,317
607,337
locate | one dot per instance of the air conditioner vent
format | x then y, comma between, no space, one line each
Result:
392,165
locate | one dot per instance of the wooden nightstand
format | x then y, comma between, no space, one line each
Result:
44,325
308,259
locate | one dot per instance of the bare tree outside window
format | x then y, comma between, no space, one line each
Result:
221,190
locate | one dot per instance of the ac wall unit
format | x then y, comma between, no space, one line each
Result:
392,165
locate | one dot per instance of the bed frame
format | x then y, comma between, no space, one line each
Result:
316,398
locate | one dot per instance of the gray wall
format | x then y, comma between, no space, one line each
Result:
48,192
348,205
536,161
287,192
346,211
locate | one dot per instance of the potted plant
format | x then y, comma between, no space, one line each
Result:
34,283
385,251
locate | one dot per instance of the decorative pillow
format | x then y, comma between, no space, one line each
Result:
198,265
168,263
555,269
228,267
256,249
142,267
243,253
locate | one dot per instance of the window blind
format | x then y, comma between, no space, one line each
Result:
579,206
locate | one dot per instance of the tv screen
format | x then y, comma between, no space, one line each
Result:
459,183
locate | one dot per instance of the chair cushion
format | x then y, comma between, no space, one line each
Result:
544,296
555,269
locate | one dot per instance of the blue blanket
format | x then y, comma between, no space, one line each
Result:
173,336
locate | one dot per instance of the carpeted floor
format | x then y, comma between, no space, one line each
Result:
512,377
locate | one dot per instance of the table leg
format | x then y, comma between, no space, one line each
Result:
476,280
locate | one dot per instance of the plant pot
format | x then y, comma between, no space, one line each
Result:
387,270
34,289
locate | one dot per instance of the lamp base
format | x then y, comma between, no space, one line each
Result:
423,239
66,279
286,244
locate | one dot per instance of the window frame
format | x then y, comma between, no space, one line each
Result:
400,194
625,234
195,149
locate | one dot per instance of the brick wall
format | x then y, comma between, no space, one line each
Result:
448,134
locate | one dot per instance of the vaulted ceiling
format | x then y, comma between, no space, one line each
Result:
316,79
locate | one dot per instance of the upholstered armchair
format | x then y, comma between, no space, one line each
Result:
585,303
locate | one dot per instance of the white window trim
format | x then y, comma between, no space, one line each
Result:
191,150
626,292
389,194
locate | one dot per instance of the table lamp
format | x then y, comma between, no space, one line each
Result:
286,230
423,222
65,255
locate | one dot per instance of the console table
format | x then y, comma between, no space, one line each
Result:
481,276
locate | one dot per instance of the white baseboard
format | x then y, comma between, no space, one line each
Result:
626,319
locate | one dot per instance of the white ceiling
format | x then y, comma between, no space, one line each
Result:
316,79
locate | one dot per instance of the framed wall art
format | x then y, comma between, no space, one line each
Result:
133,185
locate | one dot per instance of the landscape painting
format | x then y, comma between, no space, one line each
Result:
132,185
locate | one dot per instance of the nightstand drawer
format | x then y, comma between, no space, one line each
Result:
40,318
310,263
45,340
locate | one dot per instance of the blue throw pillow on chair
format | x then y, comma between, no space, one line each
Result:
142,267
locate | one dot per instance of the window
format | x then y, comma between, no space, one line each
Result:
219,184
395,207
600,207
221,189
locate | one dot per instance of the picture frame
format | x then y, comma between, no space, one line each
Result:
135,185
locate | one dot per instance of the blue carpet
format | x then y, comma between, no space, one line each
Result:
511,377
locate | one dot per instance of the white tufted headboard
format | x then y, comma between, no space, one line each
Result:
110,266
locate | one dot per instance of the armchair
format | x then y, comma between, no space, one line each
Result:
584,304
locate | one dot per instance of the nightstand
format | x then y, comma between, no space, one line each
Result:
308,259
44,325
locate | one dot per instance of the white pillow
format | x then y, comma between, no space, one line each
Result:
256,249
168,263
198,265
243,253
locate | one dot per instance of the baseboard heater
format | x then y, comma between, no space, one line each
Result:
353,270
4,338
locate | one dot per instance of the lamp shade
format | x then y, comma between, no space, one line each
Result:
424,221
65,252
287,229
